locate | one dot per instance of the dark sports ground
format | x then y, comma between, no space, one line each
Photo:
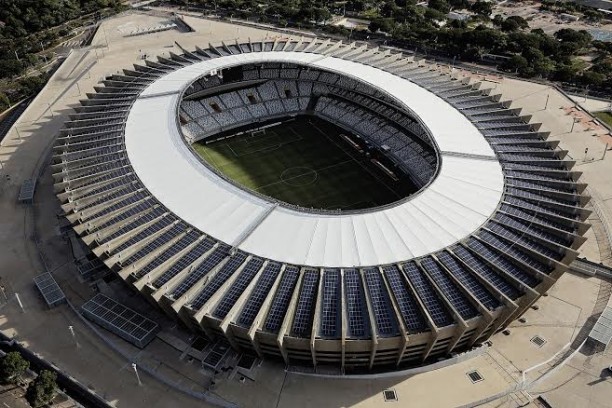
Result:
304,162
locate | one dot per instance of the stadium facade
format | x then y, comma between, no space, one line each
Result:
495,219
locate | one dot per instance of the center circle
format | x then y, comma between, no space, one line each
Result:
307,137
299,176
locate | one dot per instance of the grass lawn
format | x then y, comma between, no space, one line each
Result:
604,117
302,162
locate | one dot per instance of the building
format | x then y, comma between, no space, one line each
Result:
496,217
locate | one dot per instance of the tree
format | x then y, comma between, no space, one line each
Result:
593,15
42,390
592,78
574,39
565,73
434,15
459,4
10,67
514,23
381,24
498,20
440,5
484,8
5,103
12,365
321,14
515,63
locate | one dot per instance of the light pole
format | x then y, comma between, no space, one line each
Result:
136,372
573,123
19,302
71,329
546,104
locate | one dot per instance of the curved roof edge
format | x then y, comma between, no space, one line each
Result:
465,194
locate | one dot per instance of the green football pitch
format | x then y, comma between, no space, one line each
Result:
302,162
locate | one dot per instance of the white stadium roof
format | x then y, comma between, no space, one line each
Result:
465,193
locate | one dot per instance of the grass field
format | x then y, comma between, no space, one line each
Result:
605,117
302,162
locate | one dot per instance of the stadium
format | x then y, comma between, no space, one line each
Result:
320,202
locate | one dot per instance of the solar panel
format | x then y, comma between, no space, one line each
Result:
279,306
428,295
532,229
540,207
476,288
306,301
330,311
242,281
356,308
145,233
513,251
174,249
117,206
257,297
202,269
459,301
408,307
186,260
379,299
26,192
532,216
539,198
49,289
525,241
141,220
500,262
219,279
154,245
128,211
121,320
486,272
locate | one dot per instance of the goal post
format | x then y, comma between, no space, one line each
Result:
258,132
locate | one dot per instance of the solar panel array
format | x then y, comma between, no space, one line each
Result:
501,262
385,321
408,307
243,280
254,302
330,313
476,288
281,299
356,309
537,221
452,292
49,289
200,249
306,301
432,301
232,264
26,192
121,320
173,250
